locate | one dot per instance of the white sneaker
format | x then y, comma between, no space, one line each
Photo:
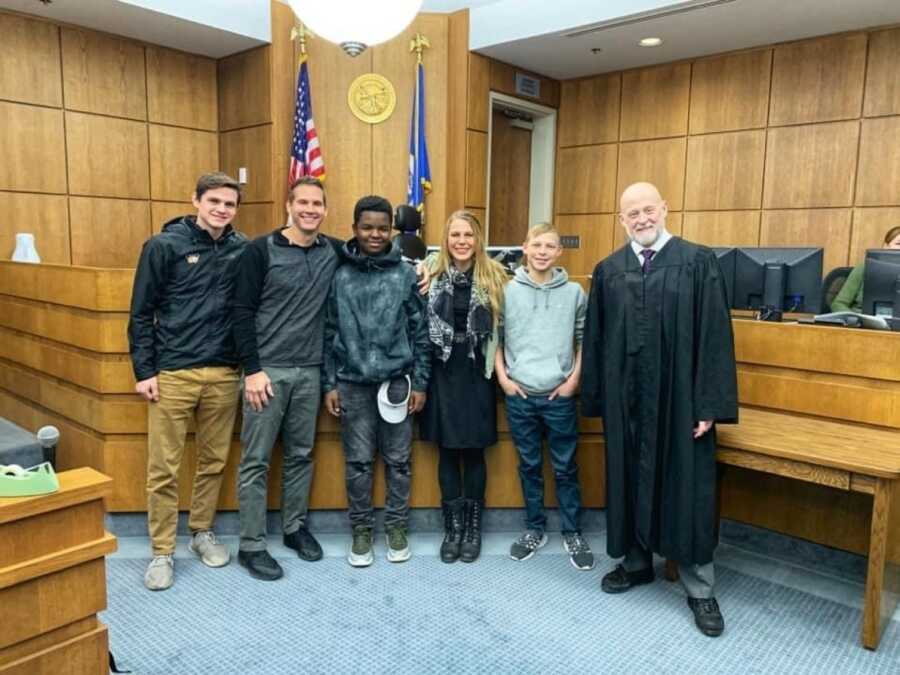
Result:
361,554
160,573
397,545
207,547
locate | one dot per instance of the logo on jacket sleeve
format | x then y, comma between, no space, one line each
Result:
193,258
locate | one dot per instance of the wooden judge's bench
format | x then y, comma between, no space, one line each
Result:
816,454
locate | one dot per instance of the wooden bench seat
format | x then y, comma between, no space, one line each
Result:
838,455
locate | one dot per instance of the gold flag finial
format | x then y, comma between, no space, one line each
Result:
419,44
301,33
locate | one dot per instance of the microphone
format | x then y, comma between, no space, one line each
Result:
49,437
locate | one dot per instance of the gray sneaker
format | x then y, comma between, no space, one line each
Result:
205,545
361,549
525,546
398,544
579,551
160,573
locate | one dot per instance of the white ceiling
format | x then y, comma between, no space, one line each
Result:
724,27
214,28
531,34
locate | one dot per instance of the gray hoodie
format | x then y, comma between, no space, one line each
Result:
542,324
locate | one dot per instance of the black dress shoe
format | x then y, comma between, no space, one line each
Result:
260,565
707,616
305,544
621,580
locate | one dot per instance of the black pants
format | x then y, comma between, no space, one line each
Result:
462,473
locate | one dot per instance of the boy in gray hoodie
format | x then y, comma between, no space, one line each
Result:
538,369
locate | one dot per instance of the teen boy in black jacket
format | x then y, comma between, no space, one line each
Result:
184,361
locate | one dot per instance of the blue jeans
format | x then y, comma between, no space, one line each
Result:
529,418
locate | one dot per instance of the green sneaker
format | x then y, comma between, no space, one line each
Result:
398,544
361,549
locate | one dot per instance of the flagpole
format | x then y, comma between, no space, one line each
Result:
418,44
301,34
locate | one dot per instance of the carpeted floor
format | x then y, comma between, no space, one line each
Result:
494,616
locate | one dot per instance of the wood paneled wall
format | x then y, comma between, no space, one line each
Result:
790,145
472,78
256,102
99,135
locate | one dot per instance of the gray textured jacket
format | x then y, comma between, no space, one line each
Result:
375,327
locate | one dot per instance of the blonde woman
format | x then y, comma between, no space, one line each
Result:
464,305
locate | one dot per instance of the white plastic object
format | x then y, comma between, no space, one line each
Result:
25,250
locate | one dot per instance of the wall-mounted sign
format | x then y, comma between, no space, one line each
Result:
528,85
372,98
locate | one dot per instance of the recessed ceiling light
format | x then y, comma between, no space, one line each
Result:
650,42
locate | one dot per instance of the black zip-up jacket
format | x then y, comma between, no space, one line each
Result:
279,301
181,301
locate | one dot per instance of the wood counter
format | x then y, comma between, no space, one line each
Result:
53,578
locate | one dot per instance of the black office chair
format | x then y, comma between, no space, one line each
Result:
834,280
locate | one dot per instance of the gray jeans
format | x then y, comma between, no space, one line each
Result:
291,413
698,580
363,432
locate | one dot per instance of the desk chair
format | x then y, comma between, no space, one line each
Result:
831,286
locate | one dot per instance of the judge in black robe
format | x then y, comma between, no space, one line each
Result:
659,369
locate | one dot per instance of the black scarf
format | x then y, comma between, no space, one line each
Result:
479,322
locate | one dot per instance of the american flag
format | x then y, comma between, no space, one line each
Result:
306,156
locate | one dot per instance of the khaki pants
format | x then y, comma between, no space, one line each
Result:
209,395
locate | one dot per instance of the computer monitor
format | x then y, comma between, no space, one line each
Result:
776,280
727,256
881,283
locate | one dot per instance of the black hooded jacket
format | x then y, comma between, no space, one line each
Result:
181,301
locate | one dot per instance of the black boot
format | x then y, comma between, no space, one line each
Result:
471,544
453,529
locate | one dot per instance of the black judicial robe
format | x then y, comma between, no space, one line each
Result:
658,356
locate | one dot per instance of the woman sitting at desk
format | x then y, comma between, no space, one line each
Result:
850,297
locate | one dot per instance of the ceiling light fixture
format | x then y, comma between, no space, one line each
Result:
650,42
356,24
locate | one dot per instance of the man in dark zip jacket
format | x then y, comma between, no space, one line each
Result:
377,355
183,355
282,283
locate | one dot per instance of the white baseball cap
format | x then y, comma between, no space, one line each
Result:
394,412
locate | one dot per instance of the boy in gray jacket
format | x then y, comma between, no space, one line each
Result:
538,368
375,374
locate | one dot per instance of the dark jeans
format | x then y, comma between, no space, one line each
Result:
363,432
529,418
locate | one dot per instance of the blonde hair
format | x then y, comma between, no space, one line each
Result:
487,273
537,230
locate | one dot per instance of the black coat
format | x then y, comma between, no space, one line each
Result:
181,300
658,358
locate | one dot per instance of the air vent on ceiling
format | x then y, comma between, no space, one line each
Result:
630,19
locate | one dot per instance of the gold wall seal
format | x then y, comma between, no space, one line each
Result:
372,98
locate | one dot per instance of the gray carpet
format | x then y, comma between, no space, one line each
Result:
493,616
